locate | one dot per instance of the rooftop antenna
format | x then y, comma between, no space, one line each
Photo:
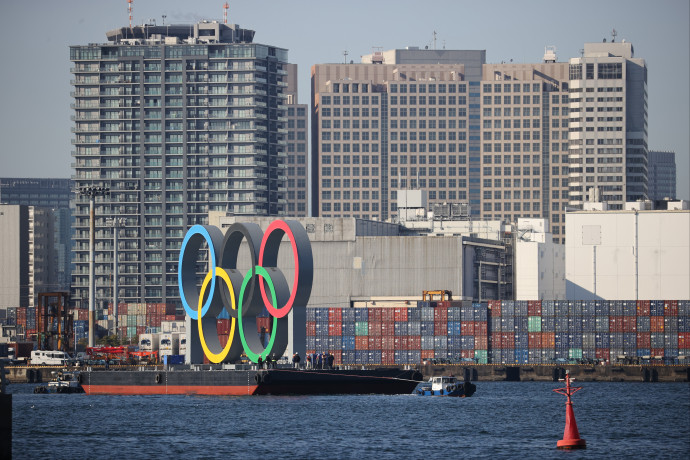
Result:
163,16
129,8
226,7
434,39
613,34
345,53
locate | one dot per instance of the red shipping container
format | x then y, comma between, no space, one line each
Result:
388,314
387,357
684,340
467,353
548,340
388,342
141,330
534,340
643,307
656,324
602,353
481,342
311,328
335,315
374,328
480,328
427,354
400,342
615,323
534,308
266,323
440,327
630,325
375,342
401,314
440,314
496,340
388,328
671,308
507,340
335,328
374,315
361,342
658,352
414,342
644,340
443,304
495,307
121,308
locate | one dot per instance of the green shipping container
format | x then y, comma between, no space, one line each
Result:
362,328
534,324
481,356
575,353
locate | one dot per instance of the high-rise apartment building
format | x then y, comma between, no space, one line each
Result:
177,121
56,195
662,175
511,140
27,250
608,125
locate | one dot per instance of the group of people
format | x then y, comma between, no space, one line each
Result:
320,360
314,361
270,362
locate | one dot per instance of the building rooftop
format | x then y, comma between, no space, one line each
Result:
201,32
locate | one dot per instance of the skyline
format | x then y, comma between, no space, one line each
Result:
36,94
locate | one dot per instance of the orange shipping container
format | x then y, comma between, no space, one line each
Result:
656,324
548,340
375,342
361,342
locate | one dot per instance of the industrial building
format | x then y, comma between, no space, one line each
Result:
629,254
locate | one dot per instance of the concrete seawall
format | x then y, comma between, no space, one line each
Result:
551,373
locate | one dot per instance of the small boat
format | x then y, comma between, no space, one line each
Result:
446,386
62,382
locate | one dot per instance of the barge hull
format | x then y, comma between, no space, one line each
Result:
250,382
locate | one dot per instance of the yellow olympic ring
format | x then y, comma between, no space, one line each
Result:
213,357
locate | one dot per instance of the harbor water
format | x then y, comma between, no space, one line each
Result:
502,420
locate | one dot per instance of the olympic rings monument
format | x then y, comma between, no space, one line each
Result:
243,297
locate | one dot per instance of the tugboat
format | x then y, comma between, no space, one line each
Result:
446,386
63,381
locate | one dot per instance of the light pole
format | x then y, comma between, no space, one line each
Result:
117,223
92,192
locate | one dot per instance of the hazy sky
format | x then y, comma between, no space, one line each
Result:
35,36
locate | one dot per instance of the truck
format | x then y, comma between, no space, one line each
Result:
49,358
169,344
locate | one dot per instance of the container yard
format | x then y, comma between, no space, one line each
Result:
505,332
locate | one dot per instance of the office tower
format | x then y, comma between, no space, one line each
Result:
47,193
525,142
297,157
176,121
511,140
392,123
608,125
27,251
662,175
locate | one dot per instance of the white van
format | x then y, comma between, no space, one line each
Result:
49,358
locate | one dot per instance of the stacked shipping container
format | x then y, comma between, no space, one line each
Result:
507,332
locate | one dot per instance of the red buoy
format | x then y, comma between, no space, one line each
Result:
571,436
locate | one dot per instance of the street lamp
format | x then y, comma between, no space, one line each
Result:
117,223
92,192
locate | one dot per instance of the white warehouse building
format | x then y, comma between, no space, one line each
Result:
630,254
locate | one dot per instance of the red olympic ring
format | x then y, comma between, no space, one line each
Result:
280,225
